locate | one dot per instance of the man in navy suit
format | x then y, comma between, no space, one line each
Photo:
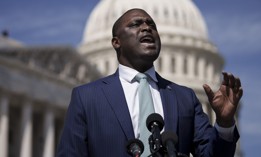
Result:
103,115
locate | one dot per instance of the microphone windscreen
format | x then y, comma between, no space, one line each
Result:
154,118
135,144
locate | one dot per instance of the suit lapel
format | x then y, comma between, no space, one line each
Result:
170,105
115,96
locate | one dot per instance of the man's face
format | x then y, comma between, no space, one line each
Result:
138,40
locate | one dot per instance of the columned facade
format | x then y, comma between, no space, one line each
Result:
19,136
35,90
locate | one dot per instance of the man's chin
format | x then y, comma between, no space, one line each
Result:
150,56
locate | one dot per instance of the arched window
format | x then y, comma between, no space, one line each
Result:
155,11
176,16
173,65
196,66
184,16
185,65
166,12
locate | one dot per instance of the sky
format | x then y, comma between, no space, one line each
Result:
234,26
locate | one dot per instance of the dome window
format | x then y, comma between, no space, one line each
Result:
173,65
185,65
196,67
155,11
166,12
184,16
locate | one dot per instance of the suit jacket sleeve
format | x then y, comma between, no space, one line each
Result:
207,142
73,142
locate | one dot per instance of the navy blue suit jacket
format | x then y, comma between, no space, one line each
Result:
98,122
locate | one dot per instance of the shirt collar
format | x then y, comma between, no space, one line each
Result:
128,73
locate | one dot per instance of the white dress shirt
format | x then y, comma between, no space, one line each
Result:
130,88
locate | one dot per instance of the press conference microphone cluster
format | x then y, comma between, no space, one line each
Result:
161,144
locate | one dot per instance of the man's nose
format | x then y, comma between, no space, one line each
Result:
145,27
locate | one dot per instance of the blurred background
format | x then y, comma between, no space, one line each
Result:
57,29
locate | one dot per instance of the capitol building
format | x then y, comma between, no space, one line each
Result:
36,82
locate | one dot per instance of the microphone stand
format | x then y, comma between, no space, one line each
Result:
155,124
156,147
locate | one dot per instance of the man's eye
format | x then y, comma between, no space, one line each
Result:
134,25
153,25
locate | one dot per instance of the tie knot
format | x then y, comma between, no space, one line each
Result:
141,76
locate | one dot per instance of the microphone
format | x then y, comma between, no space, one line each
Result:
169,140
135,147
153,121
155,124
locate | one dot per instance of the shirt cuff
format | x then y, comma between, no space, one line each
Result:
226,133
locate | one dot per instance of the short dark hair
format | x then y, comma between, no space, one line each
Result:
115,26
118,22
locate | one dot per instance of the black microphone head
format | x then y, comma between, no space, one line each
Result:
135,146
169,135
154,118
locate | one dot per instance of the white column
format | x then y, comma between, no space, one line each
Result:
166,58
114,62
81,72
210,72
101,65
48,150
213,116
204,107
66,71
4,120
26,136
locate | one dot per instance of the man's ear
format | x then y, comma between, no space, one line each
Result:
115,41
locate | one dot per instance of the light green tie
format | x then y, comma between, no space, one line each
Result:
146,108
